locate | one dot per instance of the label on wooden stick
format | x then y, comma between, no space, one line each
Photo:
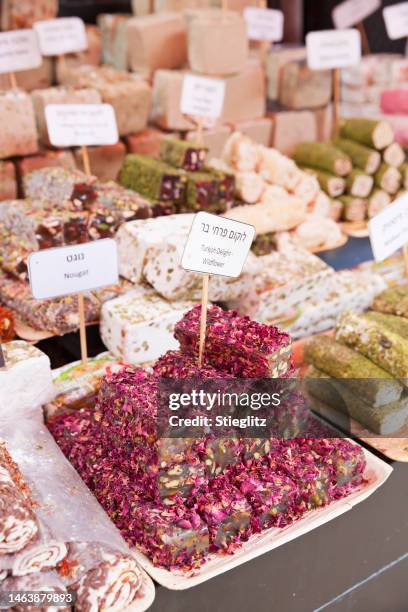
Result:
389,229
61,36
329,49
350,12
217,245
73,269
264,24
19,50
396,20
77,125
202,96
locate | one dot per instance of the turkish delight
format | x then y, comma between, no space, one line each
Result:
106,160
58,185
19,132
278,57
18,14
26,381
153,178
45,582
175,364
388,178
277,211
156,41
217,42
183,154
302,87
14,255
363,157
393,301
291,128
166,99
59,95
236,344
136,238
138,326
324,156
213,139
368,132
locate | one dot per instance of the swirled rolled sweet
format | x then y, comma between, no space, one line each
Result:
39,557
18,525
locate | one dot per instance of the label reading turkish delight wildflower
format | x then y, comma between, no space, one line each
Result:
73,269
264,24
217,245
77,125
389,229
202,96
19,50
396,20
350,12
60,36
329,49
2,359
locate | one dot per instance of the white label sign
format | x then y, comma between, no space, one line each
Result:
73,269
217,245
202,96
330,49
350,12
60,36
389,229
264,24
19,50
76,125
396,20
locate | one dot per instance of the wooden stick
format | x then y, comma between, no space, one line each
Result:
85,159
224,5
82,328
365,45
13,80
203,319
336,99
405,253
200,139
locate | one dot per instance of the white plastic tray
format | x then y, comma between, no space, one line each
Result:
376,474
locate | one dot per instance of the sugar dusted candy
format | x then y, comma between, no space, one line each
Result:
138,326
236,344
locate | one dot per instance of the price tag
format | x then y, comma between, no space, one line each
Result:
264,24
217,245
329,49
350,12
19,50
396,20
389,229
73,269
77,125
202,96
60,36
2,358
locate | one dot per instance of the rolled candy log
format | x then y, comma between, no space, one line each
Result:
388,178
336,210
392,301
45,554
383,421
368,381
368,132
333,185
363,157
43,582
183,154
394,155
399,325
377,201
236,344
354,209
376,341
323,156
359,184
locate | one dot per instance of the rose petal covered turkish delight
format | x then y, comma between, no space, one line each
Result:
138,327
236,344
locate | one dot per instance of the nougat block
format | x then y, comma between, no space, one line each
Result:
131,102
18,135
136,238
217,43
156,41
18,14
114,44
278,57
166,99
291,128
61,158
244,94
153,179
26,381
35,78
106,160
138,326
59,95
91,56
302,87
259,130
213,139
182,154
147,142
8,182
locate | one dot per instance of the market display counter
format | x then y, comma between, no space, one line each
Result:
357,562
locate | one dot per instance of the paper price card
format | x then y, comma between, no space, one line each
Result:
73,269
202,96
396,20
350,12
19,50
217,245
77,125
329,49
264,24
60,36
389,229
